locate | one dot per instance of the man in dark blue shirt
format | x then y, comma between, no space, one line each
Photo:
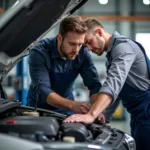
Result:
55,63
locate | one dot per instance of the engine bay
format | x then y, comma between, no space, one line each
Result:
48,129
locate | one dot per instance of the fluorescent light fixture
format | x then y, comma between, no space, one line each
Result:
146,2
103,2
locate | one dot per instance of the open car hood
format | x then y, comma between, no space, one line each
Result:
27,21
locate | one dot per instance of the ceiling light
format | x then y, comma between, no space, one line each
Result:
103,2
146,2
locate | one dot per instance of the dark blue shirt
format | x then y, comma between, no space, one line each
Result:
49,73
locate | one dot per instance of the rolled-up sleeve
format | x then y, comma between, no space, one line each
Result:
39,72
89,74
123,56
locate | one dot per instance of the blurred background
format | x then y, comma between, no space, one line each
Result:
129,17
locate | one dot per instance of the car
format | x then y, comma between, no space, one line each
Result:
29,128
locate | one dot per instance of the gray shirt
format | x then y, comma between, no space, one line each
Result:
127,65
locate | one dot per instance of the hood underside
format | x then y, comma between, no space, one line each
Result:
27,21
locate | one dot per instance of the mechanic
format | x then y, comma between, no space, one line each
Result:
127,78
55,63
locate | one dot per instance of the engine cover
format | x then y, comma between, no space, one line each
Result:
76,130
30,125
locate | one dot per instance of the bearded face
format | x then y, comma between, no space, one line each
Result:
95,43
71,44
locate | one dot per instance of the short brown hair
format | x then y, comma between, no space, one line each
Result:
92,23
72,24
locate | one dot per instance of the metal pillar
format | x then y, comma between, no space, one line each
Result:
22,80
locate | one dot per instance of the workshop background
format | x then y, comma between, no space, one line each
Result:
129,17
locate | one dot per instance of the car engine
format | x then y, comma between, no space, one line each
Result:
49,130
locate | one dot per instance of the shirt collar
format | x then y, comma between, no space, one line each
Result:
112,41
54,50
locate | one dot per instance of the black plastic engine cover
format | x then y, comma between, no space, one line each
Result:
108,137
76,130
30,125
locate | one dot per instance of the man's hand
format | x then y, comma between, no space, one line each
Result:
100,118
86,119
81,107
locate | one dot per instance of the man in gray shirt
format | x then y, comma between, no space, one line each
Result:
127,79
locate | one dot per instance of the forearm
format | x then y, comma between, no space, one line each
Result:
102,101
108,112
93,98
57,101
